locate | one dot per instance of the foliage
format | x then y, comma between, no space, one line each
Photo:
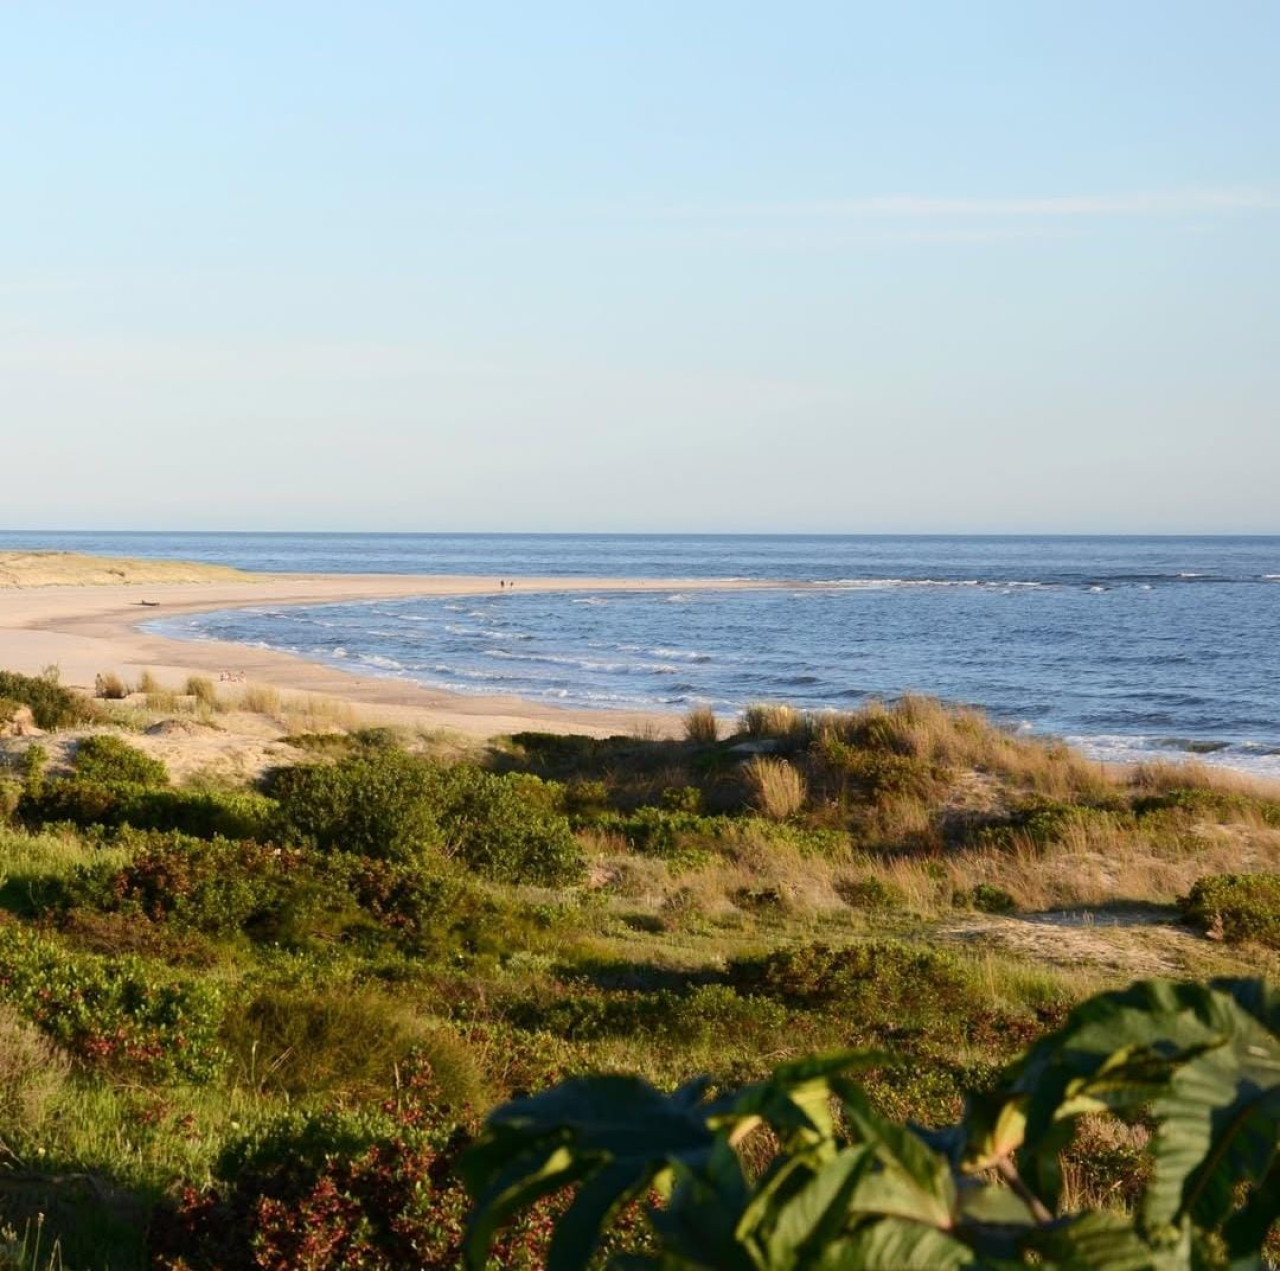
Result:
389,805
382,804
849,1188
217,886
1236,907
330,1192
203,813
52,705
117,1012
109,761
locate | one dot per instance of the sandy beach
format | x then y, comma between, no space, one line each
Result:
92,629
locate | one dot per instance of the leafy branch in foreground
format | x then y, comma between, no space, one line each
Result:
848,1189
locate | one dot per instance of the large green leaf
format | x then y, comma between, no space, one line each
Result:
618,1132
1105,1242
892,1244
1117,1051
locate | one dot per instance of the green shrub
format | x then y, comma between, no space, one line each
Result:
869,893
682,799
389,805
881,979
121,1012
9,707
384,804
500,827
35,759
216,886
987,898
204,813
109,761
1236,907
52,705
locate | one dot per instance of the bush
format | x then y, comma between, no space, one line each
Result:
117,1012
236,814
217,886
333,1192
701,726
109,761
52,706
499,827
388,805
777,789
878,979
1236,907
384,804
869,893
986,898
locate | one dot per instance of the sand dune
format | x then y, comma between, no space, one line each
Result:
75,569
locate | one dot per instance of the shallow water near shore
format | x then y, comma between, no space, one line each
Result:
1131,647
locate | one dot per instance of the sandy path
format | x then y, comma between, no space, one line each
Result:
87,630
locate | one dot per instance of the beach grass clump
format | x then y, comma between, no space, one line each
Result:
33,1072
109,686
701,726
311,1040
778,789
149,683
260,699
203,690
771,720
52,705
1236,908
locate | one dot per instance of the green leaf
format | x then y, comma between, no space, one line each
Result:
918,1182
1104,1242
617,1129
893,1244
795,1102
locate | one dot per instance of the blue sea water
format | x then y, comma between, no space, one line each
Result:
1131,647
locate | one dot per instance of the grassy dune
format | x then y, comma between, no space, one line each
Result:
259,1011
75,569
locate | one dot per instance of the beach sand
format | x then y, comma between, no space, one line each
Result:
87,628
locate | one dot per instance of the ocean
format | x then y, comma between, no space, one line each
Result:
1132,648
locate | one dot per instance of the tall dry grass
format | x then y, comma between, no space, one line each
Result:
701,725
778,789
772,719
202,689
109,686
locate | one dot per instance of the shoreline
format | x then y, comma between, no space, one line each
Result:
87,630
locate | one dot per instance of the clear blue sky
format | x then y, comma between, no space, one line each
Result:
806,266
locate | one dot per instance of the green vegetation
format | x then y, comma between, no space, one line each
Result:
250,1025
1237,907
845,1187
51,705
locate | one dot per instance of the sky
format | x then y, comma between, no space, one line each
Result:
814,267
